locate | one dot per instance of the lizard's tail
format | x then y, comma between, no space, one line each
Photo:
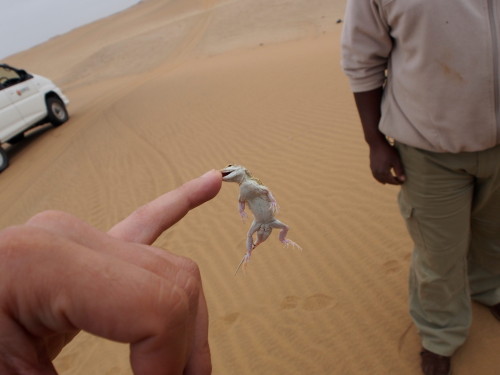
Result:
244,260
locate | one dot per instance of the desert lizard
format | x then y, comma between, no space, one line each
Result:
263,206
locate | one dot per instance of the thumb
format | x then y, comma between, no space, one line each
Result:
398,172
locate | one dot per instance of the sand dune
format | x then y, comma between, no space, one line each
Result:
166,90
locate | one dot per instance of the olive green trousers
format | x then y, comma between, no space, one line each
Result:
451,205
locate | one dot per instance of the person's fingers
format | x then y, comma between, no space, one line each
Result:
384,176
155,260
80,232
19,353
107,297
200,359
146,223
391,180
399,172
386,164
388,178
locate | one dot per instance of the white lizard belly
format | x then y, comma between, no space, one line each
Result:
261,209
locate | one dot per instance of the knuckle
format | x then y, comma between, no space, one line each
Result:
191,278
49,216
8,238
13,237
184,290
171,309
190,267
18,241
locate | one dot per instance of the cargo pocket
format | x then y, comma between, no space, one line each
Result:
412,224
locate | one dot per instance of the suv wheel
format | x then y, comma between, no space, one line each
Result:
4,160
57,113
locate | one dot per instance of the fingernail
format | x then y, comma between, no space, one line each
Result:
207,173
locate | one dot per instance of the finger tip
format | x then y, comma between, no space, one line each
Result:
213,181
213,174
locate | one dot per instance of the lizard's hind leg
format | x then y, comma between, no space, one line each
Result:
283,232
249,246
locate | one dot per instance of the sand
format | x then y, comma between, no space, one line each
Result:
166,90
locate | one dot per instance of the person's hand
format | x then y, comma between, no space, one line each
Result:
385,164
59,275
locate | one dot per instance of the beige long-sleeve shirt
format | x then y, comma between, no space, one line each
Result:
439,62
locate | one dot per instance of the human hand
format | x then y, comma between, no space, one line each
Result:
385,164
59,275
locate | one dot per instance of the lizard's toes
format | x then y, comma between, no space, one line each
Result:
287,243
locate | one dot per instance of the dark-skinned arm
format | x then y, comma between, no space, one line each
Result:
385,163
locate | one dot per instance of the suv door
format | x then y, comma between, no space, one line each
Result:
22,90
10,118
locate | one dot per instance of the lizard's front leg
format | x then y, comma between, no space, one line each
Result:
273,204
241,209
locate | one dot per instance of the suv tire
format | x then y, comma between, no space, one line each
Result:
56,111
4,160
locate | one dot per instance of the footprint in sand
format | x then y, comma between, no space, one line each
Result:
114,370
289,302
317,302
223,323
231,318
312,303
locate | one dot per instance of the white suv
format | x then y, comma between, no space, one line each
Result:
26,100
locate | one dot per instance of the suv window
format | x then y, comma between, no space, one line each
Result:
9,76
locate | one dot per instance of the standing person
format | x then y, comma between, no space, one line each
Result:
425,74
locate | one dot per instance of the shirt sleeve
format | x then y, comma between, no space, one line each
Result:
366,45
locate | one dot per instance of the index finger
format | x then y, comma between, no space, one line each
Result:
145,224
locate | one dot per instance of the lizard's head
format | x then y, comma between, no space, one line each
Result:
234,173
